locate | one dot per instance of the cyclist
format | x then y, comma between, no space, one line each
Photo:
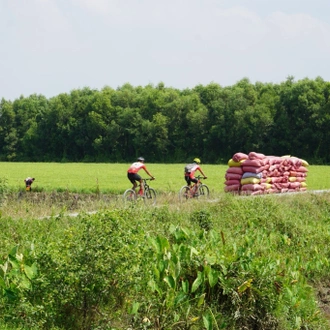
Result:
133,176
28,183
190,169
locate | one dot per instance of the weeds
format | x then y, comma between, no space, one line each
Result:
3,190
239,263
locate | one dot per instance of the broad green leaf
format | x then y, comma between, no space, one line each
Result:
19,257
177,269
30,271
201,300
176,317
174,258
172,228
4,267
13,252
186,231
14,263
211,259
134,308
25,284
162,244
10,294
193,251
213,276
159,244
198,281
180,297
181,234
224,269
185,286
153,242
170,281
161,266
153,286
298,322
178,234
156,273
185,253
208,321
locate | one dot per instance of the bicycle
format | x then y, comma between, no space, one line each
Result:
148,196
198,190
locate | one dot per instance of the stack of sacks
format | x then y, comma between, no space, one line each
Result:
253,169
285,174
234,173
298,176
271,174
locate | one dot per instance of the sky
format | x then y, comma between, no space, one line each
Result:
50,47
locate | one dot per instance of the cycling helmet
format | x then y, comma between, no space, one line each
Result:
140,159
197,160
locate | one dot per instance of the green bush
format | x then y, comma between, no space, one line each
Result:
240,263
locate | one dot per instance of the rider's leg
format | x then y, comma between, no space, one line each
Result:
194,186
141,190
134,185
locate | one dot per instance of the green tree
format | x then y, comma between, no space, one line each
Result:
8,133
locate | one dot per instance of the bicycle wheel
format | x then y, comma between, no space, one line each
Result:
184,194
129,196
149,197
203,192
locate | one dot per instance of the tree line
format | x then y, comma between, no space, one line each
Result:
165,124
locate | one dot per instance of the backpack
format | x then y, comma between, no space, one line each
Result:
188,168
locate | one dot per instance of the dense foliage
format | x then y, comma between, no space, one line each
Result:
238,263
169,125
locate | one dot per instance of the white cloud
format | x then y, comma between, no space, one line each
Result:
297,25
38,25
101,7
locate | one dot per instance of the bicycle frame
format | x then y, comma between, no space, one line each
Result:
145,186
194,188
198,190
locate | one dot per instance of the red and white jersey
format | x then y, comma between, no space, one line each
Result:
190,169
136,167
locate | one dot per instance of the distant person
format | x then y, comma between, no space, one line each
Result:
190,169
28,183
133,176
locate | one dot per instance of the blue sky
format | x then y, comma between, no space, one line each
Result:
50,47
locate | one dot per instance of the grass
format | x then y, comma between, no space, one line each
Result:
278,246
111,178
62,188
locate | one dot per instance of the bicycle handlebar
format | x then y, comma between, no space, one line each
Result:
149,179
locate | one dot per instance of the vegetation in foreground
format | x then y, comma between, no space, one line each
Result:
234,263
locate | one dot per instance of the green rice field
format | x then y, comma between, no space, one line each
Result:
111,178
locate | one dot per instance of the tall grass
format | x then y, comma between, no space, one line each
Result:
233,263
